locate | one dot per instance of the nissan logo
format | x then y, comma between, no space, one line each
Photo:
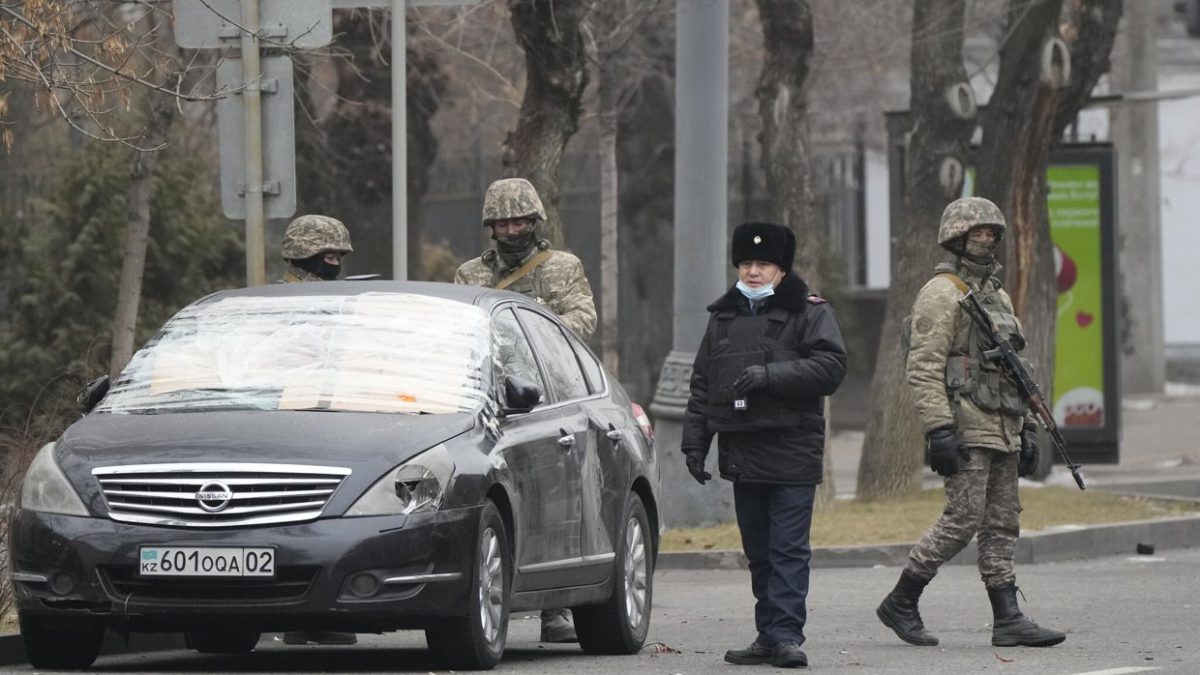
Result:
214,497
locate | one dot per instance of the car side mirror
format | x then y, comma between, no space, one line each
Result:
92,394
520,395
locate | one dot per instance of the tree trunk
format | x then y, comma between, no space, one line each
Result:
942,119
609,263
787,27
556,75
137,237
1039,91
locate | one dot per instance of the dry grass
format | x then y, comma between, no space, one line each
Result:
852,523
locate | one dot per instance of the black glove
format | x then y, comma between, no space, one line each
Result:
1029,451
944,451
752,378
695,466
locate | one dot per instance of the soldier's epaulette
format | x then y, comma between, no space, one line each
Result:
815,299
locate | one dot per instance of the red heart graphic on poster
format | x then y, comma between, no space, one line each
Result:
1084,319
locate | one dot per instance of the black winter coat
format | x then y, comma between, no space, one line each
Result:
781,437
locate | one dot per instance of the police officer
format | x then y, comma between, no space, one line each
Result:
978,430
313,246
521,262
771,352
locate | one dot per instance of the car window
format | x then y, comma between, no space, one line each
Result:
510,350
369,352
566,379
591,367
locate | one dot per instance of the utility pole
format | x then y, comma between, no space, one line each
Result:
1135,134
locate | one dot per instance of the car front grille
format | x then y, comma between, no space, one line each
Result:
217,495
291,583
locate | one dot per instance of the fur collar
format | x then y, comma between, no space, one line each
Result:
791,295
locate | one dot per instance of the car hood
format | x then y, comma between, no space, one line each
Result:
367,443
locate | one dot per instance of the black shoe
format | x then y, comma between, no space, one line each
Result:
1011,628
787,654
556,626
898,611
753,655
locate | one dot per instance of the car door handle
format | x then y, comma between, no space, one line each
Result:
567,439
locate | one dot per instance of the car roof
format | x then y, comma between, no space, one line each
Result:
472,295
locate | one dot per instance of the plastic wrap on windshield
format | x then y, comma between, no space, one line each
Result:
374,352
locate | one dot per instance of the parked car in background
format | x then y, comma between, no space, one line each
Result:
347,456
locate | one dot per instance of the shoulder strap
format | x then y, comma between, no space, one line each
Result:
524,270
956,280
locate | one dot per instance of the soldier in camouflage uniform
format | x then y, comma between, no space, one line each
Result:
313,246
979,432
512,210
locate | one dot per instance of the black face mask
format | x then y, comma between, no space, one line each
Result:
515,246
316,265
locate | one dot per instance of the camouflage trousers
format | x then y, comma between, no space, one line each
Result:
981,502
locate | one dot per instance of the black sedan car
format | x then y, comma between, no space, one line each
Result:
346,456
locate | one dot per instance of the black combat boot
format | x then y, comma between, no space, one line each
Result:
898,611
1011,628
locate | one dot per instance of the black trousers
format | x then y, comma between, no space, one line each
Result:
775,521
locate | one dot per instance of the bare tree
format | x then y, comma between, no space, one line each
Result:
942,121
609,27
1042,83
556,76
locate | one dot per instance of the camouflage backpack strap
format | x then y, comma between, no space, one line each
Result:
522,271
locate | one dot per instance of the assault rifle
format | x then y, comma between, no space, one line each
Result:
1003,355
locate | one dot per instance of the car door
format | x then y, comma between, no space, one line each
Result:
540,453
574,400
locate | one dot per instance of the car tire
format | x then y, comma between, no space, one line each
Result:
61,648
476,641
620,625
222,641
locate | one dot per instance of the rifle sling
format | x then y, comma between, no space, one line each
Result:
523,270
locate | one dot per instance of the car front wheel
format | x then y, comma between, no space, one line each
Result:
476,641
620,625
64,647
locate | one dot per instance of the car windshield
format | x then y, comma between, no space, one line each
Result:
373,352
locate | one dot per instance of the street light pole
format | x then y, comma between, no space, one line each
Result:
399,141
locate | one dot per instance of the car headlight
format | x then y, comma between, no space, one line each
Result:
47,489
415,486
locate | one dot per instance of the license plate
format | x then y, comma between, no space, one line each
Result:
206,561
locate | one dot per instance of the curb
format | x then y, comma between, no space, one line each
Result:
1060,543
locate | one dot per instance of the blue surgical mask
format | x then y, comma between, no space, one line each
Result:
755,294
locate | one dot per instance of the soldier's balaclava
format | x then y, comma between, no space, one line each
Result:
316,265
979,252
515,248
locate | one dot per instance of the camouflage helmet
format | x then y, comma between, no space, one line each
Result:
309,235
963,214
511,198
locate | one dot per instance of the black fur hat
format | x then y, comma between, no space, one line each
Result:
764,241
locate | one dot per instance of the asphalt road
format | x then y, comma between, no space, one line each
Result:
1123,615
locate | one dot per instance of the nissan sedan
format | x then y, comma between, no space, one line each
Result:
348,456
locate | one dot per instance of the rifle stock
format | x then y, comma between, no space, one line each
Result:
1003,354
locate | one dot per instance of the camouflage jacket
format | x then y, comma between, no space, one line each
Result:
940,328
558,283
295,274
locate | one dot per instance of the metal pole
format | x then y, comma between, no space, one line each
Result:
399,142
701,225
256,272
